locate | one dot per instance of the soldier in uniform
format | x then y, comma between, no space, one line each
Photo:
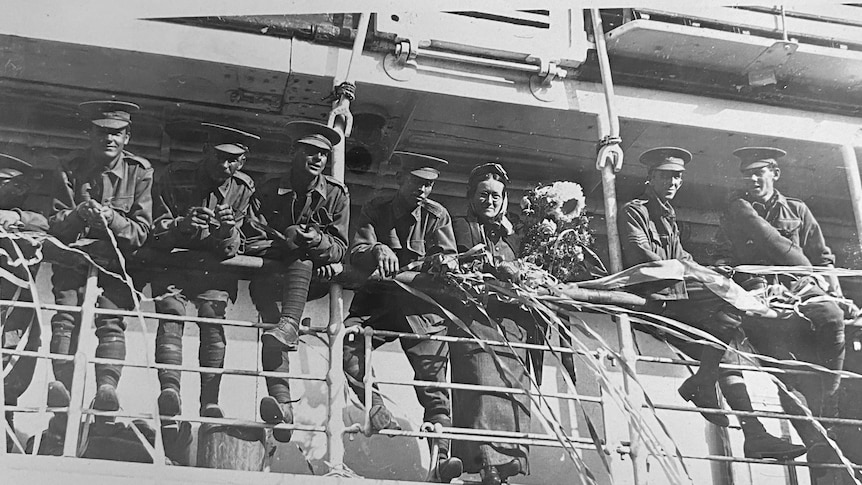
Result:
649,232
299,219
20,328
392,232
102,195
200,206
761,226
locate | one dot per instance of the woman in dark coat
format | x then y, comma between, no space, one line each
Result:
486,224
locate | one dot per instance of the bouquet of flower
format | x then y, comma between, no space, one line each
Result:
555,232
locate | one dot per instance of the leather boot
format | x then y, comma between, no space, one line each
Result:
381,418
449,468
284,334
273,412
703,396
212,410
764,445
169,402
106,398
58,395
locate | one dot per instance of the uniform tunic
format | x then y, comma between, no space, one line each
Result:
126,188
412,233
473,365
648,232
176,192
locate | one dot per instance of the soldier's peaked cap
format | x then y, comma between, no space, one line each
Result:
666,158
114,115
227,139
422,166
12,166
756,157
314,134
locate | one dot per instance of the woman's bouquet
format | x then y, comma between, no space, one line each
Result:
555,232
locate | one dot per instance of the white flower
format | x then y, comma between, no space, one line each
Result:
571,199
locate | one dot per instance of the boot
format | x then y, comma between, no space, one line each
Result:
106,398
284,334
58,395
212,410
273,412
169,402
448,468
765,446
381,418
703,396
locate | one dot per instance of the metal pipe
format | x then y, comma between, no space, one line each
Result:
492,389
335,379
851,169
484,62
211,370
613,130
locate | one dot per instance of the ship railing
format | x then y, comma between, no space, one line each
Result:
334,427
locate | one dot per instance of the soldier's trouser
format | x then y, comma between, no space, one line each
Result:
211,352
827,322
707,312
15,323
68,287
276,297
800,341
429,359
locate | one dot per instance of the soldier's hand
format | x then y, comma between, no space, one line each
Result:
308,237
9,219
387,260
196,219
327,271
224,215
106,214
88,210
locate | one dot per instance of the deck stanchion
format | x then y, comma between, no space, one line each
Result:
73,422
367,335
335,378
341,120
610,160
629,356
88,314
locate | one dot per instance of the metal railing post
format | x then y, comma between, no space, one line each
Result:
87,317
335,378
368,381
73,422
634,395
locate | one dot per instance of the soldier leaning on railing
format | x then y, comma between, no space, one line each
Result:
649,232
104,195
763,227
299,219
199,206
